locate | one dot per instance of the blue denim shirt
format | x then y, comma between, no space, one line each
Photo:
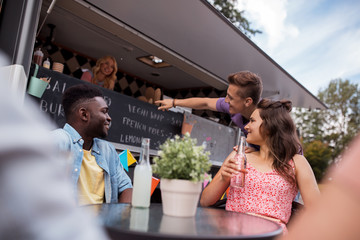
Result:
116,179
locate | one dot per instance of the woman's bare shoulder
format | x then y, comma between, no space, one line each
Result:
301,162
299,159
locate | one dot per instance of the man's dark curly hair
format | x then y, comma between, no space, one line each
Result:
78,94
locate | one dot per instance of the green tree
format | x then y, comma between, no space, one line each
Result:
228,9
310,123
341,120
319,155
333,127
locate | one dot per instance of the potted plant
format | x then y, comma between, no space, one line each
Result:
181,165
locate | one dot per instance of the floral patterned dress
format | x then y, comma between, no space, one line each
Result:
267,194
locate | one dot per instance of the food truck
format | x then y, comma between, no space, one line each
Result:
183,48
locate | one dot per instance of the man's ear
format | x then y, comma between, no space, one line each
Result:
248,101
84,114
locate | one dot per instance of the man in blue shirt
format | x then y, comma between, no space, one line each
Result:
97,174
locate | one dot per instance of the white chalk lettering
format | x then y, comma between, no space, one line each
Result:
130,139
139,111
175,122
156,116
156,131
64,87
134,124
55,86
53,108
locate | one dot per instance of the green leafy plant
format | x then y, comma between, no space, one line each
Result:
180,158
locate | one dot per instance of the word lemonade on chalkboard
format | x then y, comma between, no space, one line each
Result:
132,119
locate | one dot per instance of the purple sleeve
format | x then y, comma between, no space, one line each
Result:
222,106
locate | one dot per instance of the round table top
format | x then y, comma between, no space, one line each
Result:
122,220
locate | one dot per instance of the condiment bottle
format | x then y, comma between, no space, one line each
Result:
142,177
238,180
38,57
46,63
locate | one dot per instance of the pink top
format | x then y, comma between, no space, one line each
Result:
87,76
267,194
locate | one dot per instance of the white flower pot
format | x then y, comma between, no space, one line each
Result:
179,197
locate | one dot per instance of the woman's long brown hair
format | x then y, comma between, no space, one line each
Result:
280,132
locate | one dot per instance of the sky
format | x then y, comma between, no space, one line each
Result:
314,41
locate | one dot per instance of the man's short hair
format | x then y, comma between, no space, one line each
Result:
77,94
250,84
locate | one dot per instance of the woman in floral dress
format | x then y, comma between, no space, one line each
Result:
274,174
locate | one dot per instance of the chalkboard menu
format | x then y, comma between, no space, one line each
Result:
132,119
218,139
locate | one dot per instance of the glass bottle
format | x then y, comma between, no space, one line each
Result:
142,177
46,63
238,180
38,57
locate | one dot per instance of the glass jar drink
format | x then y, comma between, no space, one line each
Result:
238,181
38,57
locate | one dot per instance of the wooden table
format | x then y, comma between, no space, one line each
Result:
124,222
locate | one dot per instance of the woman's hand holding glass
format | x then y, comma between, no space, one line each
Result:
230,168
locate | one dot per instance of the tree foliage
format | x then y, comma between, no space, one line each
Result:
334,127
318,154
228,9
341,120
310,123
